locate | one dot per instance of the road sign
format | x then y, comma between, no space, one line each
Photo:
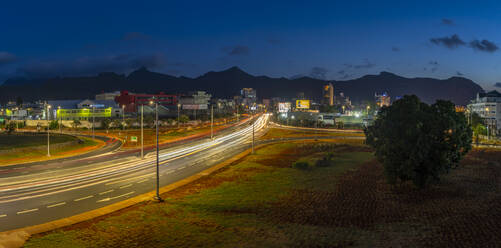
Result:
133,138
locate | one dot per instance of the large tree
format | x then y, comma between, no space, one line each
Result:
419,142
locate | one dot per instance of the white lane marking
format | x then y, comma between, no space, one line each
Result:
57,204
3,215
83,198
106,192
115,197
27,211
142,181
125,186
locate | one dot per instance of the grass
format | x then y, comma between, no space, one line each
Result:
28,140
261,201
275,133
28,154
226,209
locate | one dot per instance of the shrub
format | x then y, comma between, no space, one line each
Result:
300,165
326,161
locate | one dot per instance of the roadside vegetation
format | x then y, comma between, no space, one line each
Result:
278,133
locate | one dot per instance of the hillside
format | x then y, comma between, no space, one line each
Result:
227,83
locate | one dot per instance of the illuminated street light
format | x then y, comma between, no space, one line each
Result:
178,107
48,131
157,197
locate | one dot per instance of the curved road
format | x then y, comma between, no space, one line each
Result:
33,197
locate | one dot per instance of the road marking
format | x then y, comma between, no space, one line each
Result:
125,186
83,198
27,211
106,192
55,205
3,215
144,180
115,197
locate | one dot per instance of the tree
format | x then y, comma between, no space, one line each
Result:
184,118
117,124
54,124
76,124
10,127
105,123
419,142
478,130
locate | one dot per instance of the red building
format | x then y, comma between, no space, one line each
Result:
131,102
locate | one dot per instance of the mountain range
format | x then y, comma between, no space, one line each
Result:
227,83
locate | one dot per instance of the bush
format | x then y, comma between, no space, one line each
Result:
300,165
326,161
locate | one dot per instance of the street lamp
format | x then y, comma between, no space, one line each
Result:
343,108
157,197
93,115
142,143
60,119
211,120
123,117
368,107
48,131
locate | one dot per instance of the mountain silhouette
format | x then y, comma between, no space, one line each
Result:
227,83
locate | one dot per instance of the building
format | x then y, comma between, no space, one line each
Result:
382,100
131,102
488,107
107,96
82,110
249,97
343,101
328,94
196,100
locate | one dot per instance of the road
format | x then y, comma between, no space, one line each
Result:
29,197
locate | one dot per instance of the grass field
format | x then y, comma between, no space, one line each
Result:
274,133
26,140
29,154
260,201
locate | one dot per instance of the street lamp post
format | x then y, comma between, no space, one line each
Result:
368,107
142,143
60,119
48,131
211,121
178,107
157,197
93,116
253,136
123,117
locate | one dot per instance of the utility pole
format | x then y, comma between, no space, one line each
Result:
253,136
60,119
211,121
142,143
48,131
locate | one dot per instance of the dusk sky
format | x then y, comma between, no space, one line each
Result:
326,39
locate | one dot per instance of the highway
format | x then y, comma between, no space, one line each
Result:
34,197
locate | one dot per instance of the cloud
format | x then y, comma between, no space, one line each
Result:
433,62
236,50
448,22
365,65
498,85
458,73
450,42
135,36
6,58
318,73
395,49
84,66
434,69
341,72
484,46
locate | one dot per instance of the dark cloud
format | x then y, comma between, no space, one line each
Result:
434,69
7,58
484,46
450,42
345,76
365,65
236,50
135,36
458,73
448,22
341,72
318,73
433,62
395,49
91,65
498,85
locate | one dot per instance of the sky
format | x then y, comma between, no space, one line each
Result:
331,40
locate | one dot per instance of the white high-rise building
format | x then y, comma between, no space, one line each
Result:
488,107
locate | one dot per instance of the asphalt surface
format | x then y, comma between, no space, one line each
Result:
39,194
